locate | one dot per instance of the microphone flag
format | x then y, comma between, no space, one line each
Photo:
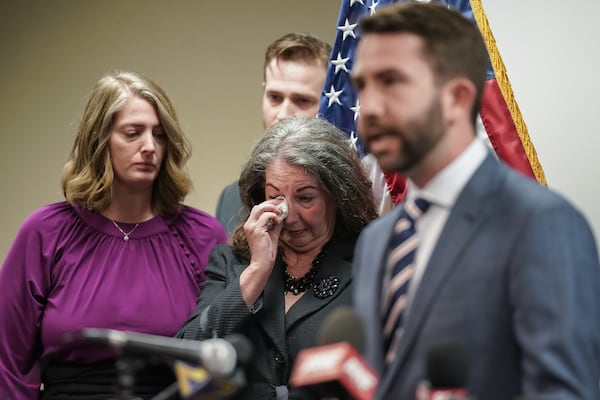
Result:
194,380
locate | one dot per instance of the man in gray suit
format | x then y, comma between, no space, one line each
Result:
504,267
294,73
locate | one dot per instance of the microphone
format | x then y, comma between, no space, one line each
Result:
335,369
219,357
195,382
446,372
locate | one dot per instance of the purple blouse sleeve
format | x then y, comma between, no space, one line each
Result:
24,283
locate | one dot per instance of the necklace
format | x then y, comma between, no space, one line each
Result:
300,285
125,234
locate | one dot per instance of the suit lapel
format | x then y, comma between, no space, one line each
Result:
469,213
378,249
272,318
367,300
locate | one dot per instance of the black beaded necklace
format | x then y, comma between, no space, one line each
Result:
299,285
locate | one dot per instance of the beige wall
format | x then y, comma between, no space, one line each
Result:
207,55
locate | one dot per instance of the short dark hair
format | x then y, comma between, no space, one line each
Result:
298,46
453,45
323,152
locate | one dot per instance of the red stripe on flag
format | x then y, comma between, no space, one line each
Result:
396,184
501,129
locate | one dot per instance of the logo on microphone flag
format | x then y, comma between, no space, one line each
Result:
191,378
335,363
194,380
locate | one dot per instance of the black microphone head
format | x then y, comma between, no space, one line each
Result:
447,365
243,347
342,325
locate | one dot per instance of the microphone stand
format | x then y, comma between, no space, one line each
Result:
168,393
126,370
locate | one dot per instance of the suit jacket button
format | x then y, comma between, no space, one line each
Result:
278,357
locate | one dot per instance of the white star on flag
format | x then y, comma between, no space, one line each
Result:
353,140
347,30
340,63
372,7
333,96
356,109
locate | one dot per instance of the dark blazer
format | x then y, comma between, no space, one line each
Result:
277,337
230,210
514,276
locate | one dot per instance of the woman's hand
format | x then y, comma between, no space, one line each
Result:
262,229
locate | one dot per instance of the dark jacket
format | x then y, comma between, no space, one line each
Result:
277,337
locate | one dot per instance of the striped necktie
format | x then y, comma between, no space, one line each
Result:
401,258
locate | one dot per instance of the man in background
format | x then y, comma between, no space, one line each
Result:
294,73
478,255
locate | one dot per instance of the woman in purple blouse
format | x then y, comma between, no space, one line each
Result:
122,252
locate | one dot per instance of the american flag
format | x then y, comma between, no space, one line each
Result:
500,115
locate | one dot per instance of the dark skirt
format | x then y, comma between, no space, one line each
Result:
113,379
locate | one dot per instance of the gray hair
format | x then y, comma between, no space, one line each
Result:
324,153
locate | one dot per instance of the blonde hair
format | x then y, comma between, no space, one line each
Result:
88,175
